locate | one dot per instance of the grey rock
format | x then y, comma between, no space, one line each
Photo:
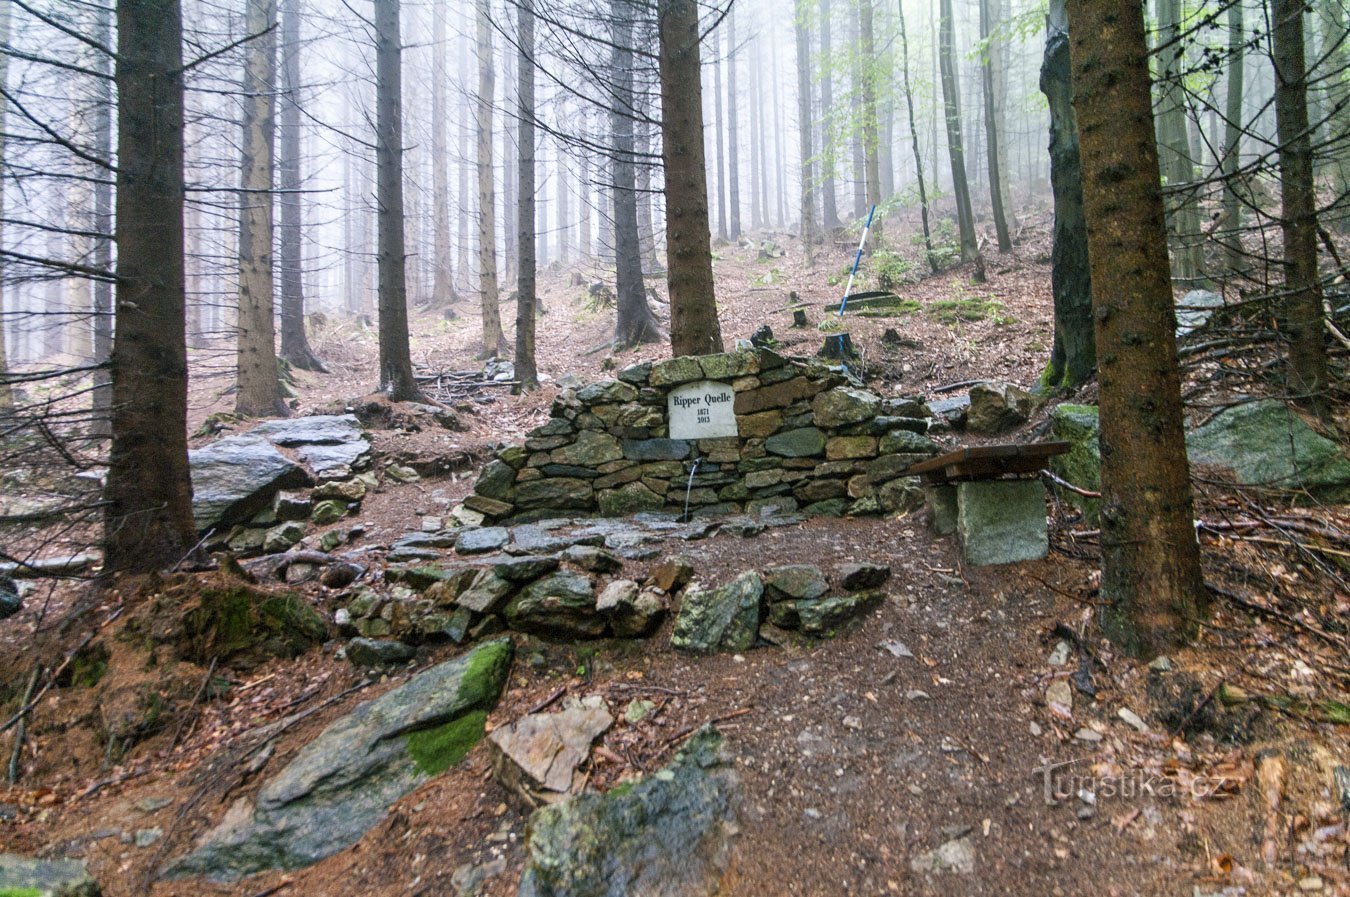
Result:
236,477
444,538
292,506
536,539
1266,444
824,617
794,581
537,756
524,569
564,493
607,392
906,442
722,619
24,876
482,539
843,406
1001,521
957,855
855,577
336,462
633,612
669,834
368,652
329,511
10,600
656,449
560,604
485,592
319,429
1081,465
802,442
342,783
629,498
1195,309
998,407
283,536
588,557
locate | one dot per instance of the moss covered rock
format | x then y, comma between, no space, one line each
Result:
342,783
243,626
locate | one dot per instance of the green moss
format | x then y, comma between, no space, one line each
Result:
485,672
968,310
436,750
20,892
88,667
291,615
235,620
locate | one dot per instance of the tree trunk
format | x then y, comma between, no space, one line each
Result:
1174,147
148,493
870,140
951,99
1073,359
1302,305
634,322
1334,30
6,391
100,426
443,279
259,393
527,374
994,76
694,329
733,131
914,138
810,233
829,218
1151,577
855,110
396,374
290,252
493,338
1231,232
719,135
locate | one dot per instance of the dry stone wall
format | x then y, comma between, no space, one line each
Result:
805,440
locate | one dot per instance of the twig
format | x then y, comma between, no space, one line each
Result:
548,702
1277,615
21,733
1065,484
694,727
206,683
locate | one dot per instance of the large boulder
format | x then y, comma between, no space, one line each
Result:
343,782
1266,444
998,407
236,477
723,619
669,834
22,876
1079,426
332,445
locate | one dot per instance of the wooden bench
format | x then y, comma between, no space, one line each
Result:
990,497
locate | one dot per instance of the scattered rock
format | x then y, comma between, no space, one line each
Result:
367,652
341,575
667,834
26,877
283,536
330,511
637,710
1060,655
722,619
145,837
957,855
824,617
10,601
537,756
896,649
343,782
672,574
1060,694
632,612
400,473
1132,719
998,407
1195,309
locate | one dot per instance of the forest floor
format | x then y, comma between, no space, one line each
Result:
856,758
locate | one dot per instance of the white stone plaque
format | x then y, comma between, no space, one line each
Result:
703,410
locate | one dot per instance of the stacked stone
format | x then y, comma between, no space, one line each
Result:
808,442
550,595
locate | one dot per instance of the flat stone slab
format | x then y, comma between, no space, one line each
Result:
342,783
537,756
318,429
1001,521
236,477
